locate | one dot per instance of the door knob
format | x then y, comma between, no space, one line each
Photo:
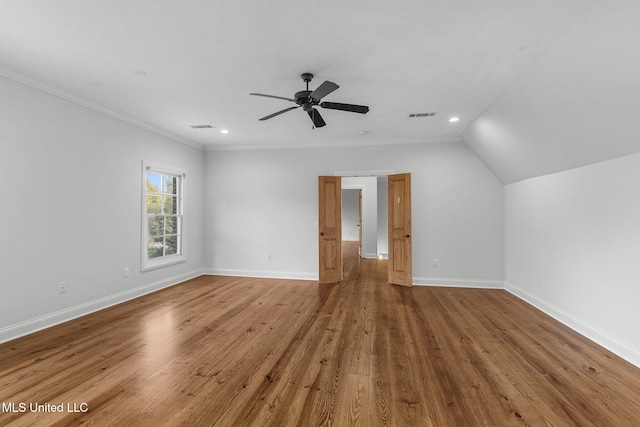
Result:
321,233
408,235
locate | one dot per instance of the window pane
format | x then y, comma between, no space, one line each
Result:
171,224
170,205
155,247
156,225
153,182
170,184
154,204
171,245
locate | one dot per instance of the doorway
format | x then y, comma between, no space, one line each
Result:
367,188
372,232
352,217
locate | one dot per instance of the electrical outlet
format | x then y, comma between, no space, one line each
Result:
436,262
62,287
125,272
268,257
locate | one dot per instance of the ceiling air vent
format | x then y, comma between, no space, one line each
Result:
202,126
414,115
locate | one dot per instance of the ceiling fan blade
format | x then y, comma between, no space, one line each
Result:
278,113
273,96
316,118
362,109
323,90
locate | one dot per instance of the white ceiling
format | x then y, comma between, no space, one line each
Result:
168,64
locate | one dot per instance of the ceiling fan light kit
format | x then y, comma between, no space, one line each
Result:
309,99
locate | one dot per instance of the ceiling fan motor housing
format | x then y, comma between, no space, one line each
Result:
302,98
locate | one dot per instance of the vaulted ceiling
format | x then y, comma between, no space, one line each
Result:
539,86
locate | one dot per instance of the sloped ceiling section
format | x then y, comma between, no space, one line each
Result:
577,104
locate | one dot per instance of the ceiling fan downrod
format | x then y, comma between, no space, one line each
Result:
307,77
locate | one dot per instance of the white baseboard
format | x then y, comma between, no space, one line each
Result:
458,283
417,281
602,338
261,274
33,325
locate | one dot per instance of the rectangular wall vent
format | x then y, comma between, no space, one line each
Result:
202,126
413,115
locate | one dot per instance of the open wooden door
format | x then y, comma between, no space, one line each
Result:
330,228
400,230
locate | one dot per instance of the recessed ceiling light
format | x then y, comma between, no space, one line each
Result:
224,131
454,119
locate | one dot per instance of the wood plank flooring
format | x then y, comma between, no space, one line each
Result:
227,351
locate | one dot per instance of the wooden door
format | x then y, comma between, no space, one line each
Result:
400,230
330,228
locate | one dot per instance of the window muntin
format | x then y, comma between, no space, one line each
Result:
163,216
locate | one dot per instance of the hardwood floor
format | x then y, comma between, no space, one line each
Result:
226,351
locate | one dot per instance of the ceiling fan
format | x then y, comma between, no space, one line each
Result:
308,99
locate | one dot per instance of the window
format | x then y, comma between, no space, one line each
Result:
163,216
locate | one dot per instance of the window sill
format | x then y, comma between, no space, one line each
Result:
153,264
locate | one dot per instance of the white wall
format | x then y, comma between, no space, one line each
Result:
71,209
265,202
572,248
350,215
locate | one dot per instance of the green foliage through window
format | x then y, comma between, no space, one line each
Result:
164,214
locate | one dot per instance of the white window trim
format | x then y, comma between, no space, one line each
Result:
147,263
